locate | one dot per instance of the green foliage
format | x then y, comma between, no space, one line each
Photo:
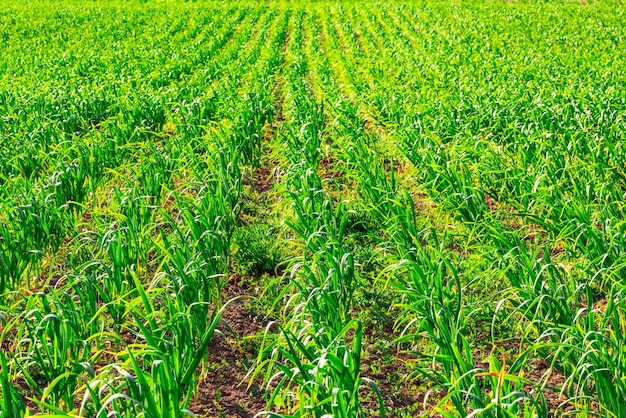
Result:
256,249
456,168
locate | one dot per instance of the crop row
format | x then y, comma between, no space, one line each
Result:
455,171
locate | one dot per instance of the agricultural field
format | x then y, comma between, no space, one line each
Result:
312,209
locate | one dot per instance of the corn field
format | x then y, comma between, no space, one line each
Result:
312,209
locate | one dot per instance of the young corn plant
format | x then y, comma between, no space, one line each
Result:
318,353
129,390
12,404
52,354
174,338
433,306
590,353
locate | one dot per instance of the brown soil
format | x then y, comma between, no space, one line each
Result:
262,180
554,380
329,169
538,372
223,391
390,372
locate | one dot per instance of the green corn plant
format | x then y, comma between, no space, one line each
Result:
41,224
507,392
590,353
70,185
13,263
306,140
319,361
105,288
156,174
200,259
178,339
318,358
326,372
541,291
12,403
247,133
143,393
54,349
516,143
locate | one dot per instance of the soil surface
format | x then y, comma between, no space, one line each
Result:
224,391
